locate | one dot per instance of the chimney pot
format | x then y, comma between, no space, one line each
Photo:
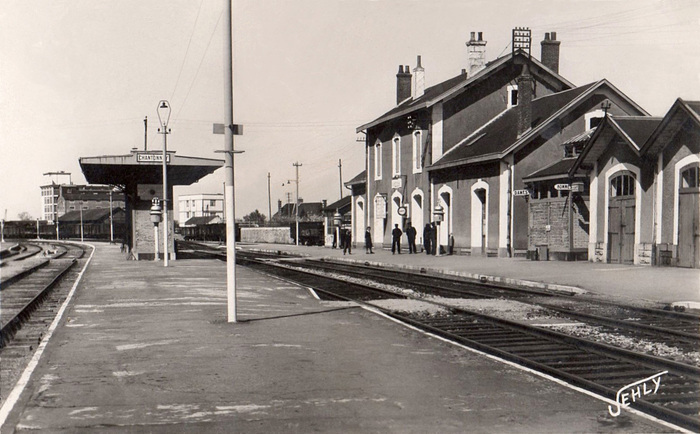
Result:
403,84
550,51
472,36
481,36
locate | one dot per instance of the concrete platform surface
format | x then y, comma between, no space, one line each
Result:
624,283
147,349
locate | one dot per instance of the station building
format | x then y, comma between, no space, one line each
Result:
140,175
200,205
59,199
644,183
455,152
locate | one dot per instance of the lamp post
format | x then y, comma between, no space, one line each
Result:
111,218
2,230
164,117
297,165
338,220
81,222
438,214
156,213
37,229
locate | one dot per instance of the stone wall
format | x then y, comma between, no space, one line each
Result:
281,235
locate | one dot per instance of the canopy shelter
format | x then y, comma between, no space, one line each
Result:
141,175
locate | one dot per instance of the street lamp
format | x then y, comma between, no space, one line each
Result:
155,219
81,222
338,220
438,214
164,117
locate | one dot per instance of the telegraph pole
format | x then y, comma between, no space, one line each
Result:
340,168
297,165
269,199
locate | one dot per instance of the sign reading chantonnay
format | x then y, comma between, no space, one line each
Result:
152,158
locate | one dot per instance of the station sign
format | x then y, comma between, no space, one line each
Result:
560,187
380,207
521,192
152,158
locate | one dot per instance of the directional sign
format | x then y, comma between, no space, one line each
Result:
560,187
521,192
236,128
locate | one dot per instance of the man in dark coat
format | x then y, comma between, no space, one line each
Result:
368,241
427,238
411,235
434,243
396,239
347,242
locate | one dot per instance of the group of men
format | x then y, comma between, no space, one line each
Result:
429,239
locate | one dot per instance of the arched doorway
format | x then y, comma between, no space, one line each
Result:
359,220
417,214
445,201
396,203
621,217
688,218
479,218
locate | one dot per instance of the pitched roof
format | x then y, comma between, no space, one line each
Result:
339,204
94,215
498,136
680,112
558,169
204,220
631,130
360,178
448,88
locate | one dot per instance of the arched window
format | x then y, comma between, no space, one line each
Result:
396,156
378,160
417,154
690,177
622,185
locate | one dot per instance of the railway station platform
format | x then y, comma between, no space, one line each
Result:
142,348
635,284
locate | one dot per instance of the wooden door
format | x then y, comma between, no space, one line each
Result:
621,219
688,218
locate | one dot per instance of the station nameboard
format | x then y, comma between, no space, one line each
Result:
152,158
521,192
560,187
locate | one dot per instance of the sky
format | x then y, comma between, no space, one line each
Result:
77,78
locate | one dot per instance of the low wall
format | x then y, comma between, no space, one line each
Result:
267,235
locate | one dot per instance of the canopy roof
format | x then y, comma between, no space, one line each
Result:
146,167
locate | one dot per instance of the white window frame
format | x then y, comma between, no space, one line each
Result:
396,156
595,114
378,160
509,95
417,148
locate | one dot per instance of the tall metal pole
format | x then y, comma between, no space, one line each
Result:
165,196
81,222
164,117
340,168
296,217
269,199
111,219
228,163
145,133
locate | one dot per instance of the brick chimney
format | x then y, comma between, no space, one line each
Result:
525,92
476,53
403,84
419,80
550,51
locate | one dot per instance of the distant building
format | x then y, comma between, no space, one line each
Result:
59,199
200,205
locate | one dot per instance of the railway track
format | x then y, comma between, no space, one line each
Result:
604,369
26,291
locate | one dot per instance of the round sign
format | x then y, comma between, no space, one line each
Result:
402,211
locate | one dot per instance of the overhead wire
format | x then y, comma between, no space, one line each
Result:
189,43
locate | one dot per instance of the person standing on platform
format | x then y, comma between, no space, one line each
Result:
347,245
396,239
368,241
434,241
411,235
427,238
